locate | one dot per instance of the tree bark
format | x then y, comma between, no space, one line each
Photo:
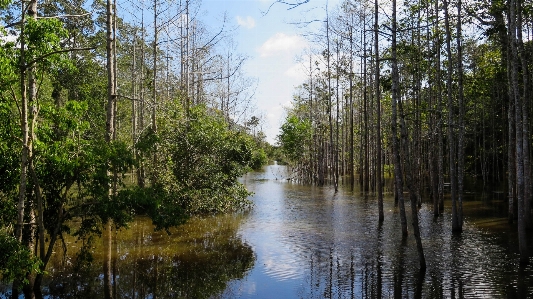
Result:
25,153
110,128
378,108
518,115
528,188
461,124
452,156
398,176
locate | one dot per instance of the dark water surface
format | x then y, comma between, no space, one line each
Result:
305,242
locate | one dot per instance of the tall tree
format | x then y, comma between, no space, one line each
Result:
514,5
110,132
452,145
398,173
378,105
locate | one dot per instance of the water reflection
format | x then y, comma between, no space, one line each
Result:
305,242
196,261
313,243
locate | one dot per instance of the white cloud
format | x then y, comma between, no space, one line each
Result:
247,22
297,71
282,43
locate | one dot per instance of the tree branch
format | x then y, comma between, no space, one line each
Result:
65,16
292,5
57,52
127,98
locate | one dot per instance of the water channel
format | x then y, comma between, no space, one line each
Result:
304,242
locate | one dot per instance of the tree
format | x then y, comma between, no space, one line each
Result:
295,133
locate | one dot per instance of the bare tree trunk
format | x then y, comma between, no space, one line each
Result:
134,103
398,175
154,91
25,132
440,142
451,124
511,150
366,165
140,170
351,162
110,121
330,104
460,138
528,191
111,92
26,235
413,192
336,146
378,107
520,183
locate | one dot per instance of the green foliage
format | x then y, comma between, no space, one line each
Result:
295,132
162,207
16,260
43,37
202,161
259,158
275,153
7,64
9,162
4,3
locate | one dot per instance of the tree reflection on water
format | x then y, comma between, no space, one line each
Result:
195,261
304,242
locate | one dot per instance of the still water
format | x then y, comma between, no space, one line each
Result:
305,242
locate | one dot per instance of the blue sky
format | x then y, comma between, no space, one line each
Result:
272,45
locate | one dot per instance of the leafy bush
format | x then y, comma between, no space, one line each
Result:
201,160
259,158
17,259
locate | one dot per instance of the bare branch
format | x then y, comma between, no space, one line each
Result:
127,98
57,52
66,16
291,5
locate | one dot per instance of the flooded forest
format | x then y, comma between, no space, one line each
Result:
133,164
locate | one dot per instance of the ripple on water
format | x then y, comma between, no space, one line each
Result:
330,245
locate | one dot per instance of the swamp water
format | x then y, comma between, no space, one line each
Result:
305,242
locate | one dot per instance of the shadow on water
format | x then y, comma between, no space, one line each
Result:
196,261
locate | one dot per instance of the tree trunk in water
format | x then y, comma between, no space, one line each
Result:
108,242
525,120
110,133
366,165
398,176
460,139
29,102
511,155
451,124
440,150
413,190
330,108
378,104
520,183
351,164
337,146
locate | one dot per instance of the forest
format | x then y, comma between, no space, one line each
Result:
429,93
98,127
106,118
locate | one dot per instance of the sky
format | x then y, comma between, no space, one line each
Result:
272,46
